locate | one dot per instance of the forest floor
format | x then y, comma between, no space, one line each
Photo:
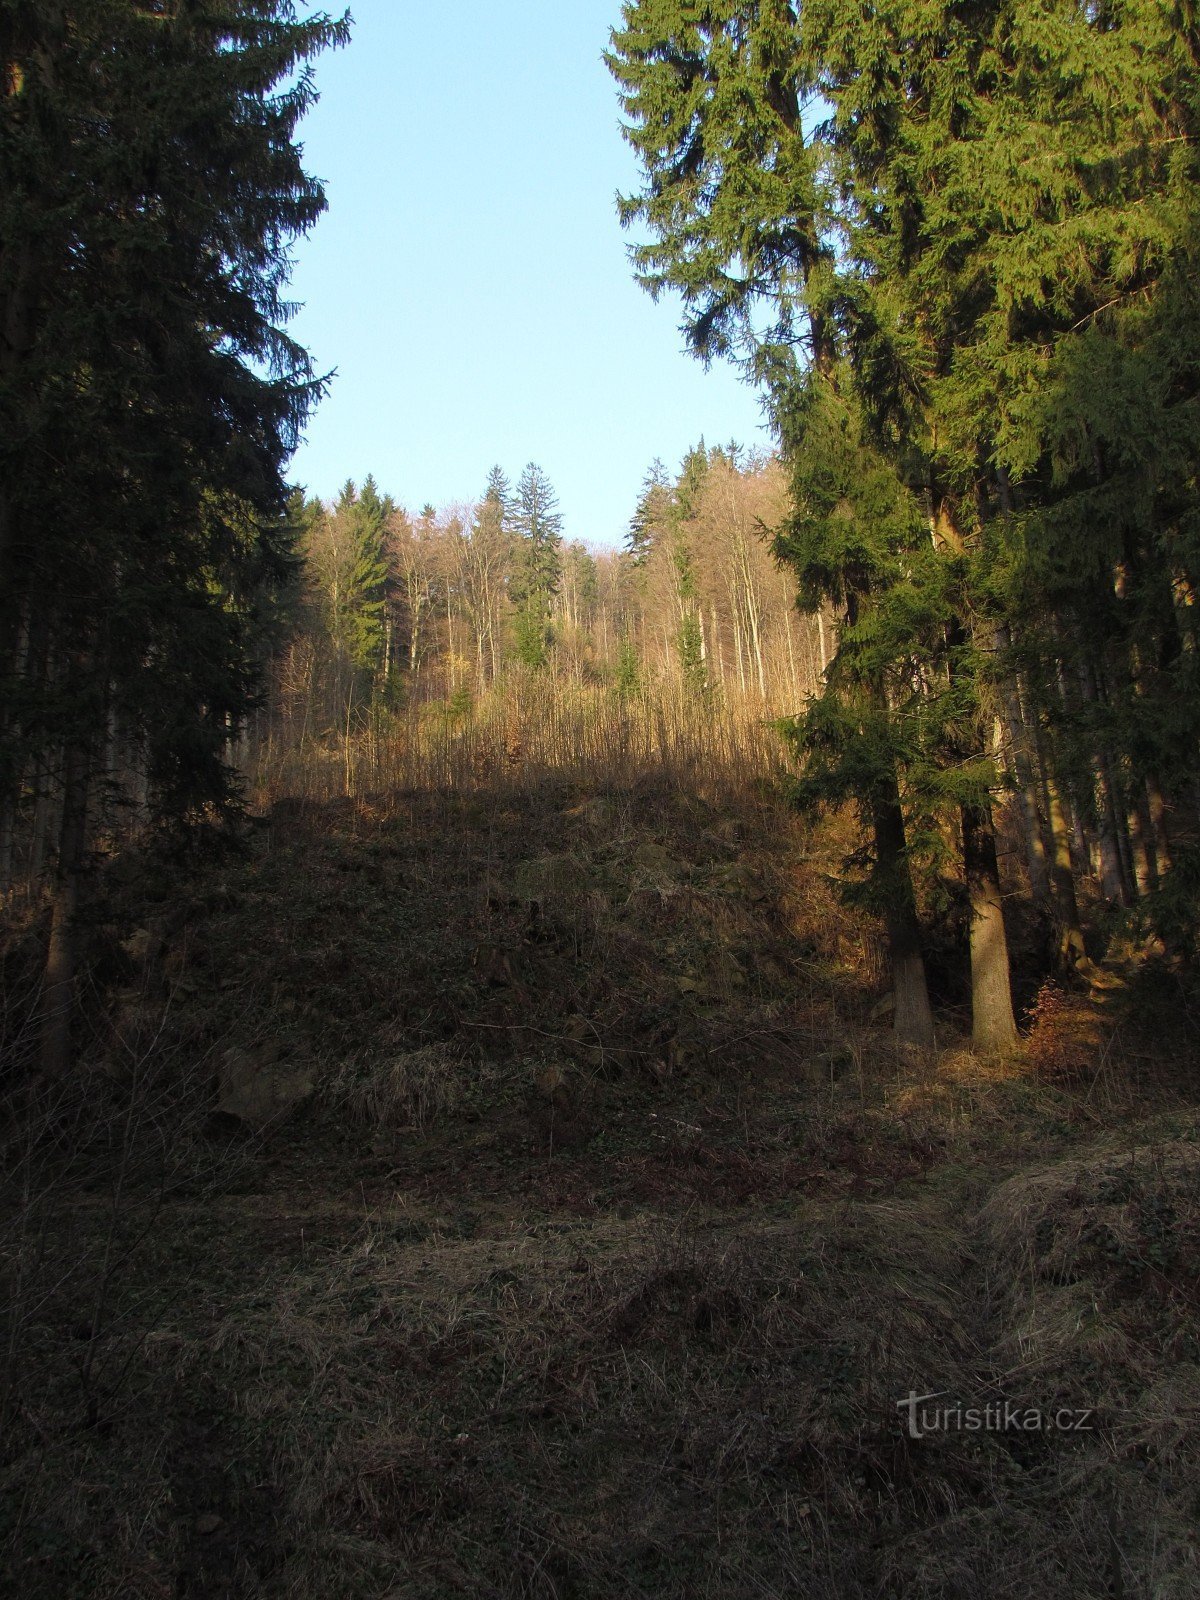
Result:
604,1245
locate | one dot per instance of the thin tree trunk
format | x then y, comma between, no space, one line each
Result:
1108,836
42,829
717,642
18,332
12,790
913,1018
62,958
1023,768
8,818
993,1025
1140,834
1158,823
1112,876
1071,951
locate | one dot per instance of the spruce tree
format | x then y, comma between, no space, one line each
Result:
370,515
538,563
497,498
741,215
961,243
652,515
150,183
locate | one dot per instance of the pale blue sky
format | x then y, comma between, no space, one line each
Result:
470,282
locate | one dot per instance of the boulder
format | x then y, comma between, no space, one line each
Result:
258,1088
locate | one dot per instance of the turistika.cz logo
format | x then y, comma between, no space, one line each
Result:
999,1416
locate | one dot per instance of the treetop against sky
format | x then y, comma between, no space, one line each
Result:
470,282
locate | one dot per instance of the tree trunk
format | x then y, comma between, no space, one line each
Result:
993,1025
1071,951
12,765
1112,875
1145,876
913,1018
8,818
1112,868
1023,768
1072,783
62,957
1026,788
1158,823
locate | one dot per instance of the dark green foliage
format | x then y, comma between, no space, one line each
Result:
363,615
652,516
149,396
690,643
497,497
693,470
958,247
538,565
628,679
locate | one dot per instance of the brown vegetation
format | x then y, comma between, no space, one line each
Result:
611,1232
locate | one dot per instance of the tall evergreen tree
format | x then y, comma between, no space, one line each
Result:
497,498
652,515
149,396
978,274
538,565
689,485
369,516
741,218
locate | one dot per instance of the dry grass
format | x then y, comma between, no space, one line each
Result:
598,1263
440,1393
533,729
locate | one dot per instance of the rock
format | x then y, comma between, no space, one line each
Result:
883,1010
258,1088
208,1524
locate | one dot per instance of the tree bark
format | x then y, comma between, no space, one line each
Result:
1158,823
993,1025
1023,770
1144,873
62,957
913,1018
1112,874
1071,951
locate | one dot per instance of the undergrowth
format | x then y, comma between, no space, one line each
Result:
592,1239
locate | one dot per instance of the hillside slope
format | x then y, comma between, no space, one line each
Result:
516,1198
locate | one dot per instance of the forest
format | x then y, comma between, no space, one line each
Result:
531,1068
